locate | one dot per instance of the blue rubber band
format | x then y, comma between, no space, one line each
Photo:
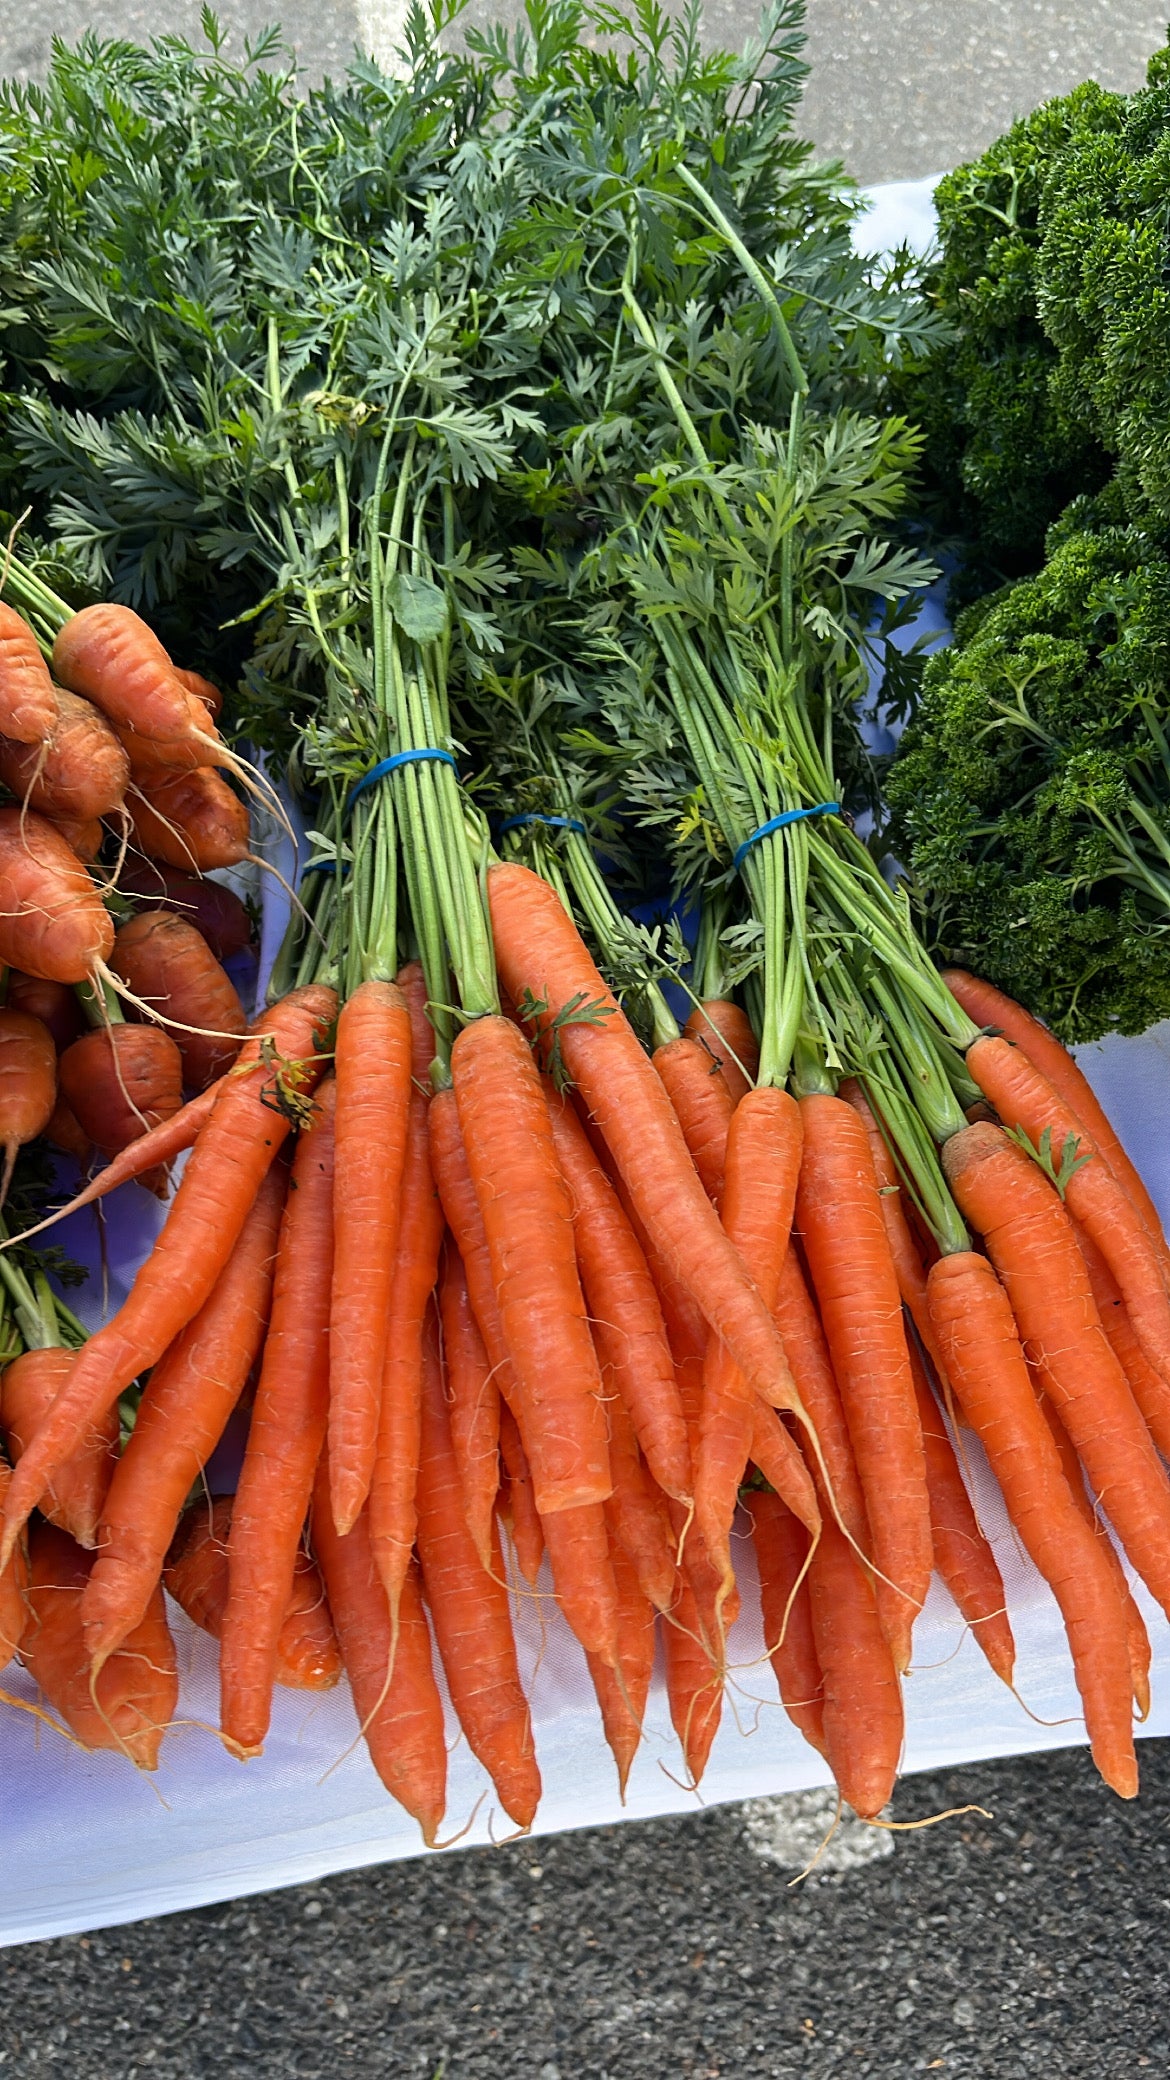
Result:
778,823
323,866
391,765
559,823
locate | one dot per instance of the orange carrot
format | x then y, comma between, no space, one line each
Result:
1136,1637
196,1575
193,821
120,1081
393,1517
840,1219
1030,1240
285,1437
181,1417
812,1368
28,698
469,1610
74,1498
973,1321
28,1085
862,1701
473,1401
109,655
519,1510
703,1103
453,1179
52,920
622,1691
721,1026
54,1003
628,1328
908,1265
215,911
150,1151
527,1219
962,1554
78,773
13,1588
373,1092
157,759
64,1133
1148,1387
577,1543
782,1545
132,1702
203,689
636,1512
83,838
694,1685
1023,1098
392,1677
167,964
227,1166
538,947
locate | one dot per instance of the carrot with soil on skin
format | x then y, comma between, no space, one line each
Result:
782,1549
962,1554
391,1673
527,1218
1029,1237
77,1492
285,1436
861,1709
28,697
120,1081
52,919
28,1085
840,1221
13,1587
976,1329
169,967
1136,1636
468,1603
1147,1386
215,911
517,1501
703,1105
133,1700
473,1404
726,1030
1024,1099
373,1069
181,1417
908,1264
636,1515
196,1575
393,1514
54,1003
619,1292
622,1692
226,1168
78,774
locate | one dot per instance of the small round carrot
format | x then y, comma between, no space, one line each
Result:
393,1514
1147,1386
215,911
517,1503
703,1103
727,1031
622,1692
973,1320
28,698
119,1081
962,1554
1023,1098
840,1220
241,1138
181,1417
635,1514
196,1575
285,1436
52,920
391,1675
861,1712
527,1219
373,1067
473,1404
80,772
13,1587
1030,1240
54,1003
468,1604
133,1700
782,1545
74,1498
694,1681
108,654
28,1085
167,964
1136,1636
619,1292
194,821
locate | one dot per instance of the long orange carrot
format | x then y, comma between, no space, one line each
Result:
539,948
519,1508
636,1512
78,1490
973,1320
727,1030
1136,1637
1148,1387
373,1093
694,1682
812,1368
149,1152
840,1220
782,1544
473,1401
861,1711
469,1609
528,1223
622,1691
133,1700
393,1516
285,1437
456,1188
627,1319
392,1676
962,1554
196,1575
908,1264
1031,1243
224,1173
577,1543
703,1103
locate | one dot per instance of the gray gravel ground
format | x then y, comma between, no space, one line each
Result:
1030,1943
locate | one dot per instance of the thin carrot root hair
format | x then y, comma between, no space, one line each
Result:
454,1839
930,1820
103,974
375,1708
813,1861
251,779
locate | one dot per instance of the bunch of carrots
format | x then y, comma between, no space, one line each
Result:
495,1276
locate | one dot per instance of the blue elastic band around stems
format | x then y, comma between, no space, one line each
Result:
778,823
391,765
558,823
